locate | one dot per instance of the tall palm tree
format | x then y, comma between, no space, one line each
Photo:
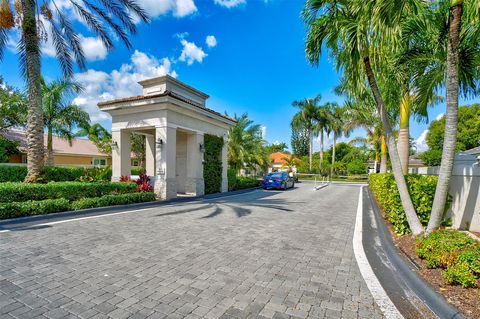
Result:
338,124
356,33
450,30
322,119
99,135
32,17
306,118
59,115
246,146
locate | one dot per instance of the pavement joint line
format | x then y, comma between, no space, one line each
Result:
123,212
379,295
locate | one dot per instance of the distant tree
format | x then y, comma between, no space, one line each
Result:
468,135
276,147
99,135
138,147
299,141
7,149
59,115
290,163
13,107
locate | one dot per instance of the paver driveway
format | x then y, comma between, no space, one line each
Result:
261,254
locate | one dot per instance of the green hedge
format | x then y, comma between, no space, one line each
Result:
30,208
455,252
20,192
10,173
246,182
49,206
111,200
212,168
421,189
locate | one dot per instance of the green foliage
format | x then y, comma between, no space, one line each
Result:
232,179
356,167
29,208
212,169
276,147
7,149
112,200
421,189
20,192
468,135
62,174
454,251
13,107
246,182
431,157
299,141
137,170
57,174
12,173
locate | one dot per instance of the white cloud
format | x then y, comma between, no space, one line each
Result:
211,41
421,142
101,86
179,8
191,53
93,48
230,3
439,116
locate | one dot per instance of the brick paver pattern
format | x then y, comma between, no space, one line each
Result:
257,255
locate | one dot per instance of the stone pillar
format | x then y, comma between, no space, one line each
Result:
194,183
166,151
150,155
224,166
121,161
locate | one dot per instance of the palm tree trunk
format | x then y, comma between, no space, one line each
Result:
310,151
321,150
376,163
403,142
334,146
383,152
49,147
411,214
451,117
35,119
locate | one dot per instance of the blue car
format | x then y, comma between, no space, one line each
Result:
279,180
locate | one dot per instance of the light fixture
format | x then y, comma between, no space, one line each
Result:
201,147
114,144
160,142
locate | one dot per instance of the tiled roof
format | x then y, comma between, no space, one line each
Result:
278,157
166,93
61,146
473,151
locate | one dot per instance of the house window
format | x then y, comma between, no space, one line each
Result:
99,162
135,162
24,159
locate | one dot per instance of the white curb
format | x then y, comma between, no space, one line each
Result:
379,295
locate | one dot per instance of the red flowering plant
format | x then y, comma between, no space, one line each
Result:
125,179
143,183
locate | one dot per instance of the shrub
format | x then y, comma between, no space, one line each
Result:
20,192
212,168
12,173
246,182
421,189
111,200
454,251
137,170
29,208
356,167
232,179
143,183
96,174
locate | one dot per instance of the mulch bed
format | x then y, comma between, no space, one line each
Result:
466,300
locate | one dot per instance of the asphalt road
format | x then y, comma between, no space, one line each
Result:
262,254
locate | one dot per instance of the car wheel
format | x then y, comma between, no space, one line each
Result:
284,187
293,185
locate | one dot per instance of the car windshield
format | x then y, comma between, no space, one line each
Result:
275,175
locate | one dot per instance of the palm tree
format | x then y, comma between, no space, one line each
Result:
306,118
246,146
59,116
447,32
290,163
99,135
32,17
322,119
355,32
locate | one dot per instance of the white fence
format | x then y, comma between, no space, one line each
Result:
465,191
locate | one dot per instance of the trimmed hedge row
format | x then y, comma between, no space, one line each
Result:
112,200
71,191
421,189
455,252
50,173
49,206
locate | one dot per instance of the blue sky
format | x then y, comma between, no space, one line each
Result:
253,62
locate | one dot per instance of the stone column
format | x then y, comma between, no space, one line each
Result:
150,155
166,151
121,162
224,165
195,184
